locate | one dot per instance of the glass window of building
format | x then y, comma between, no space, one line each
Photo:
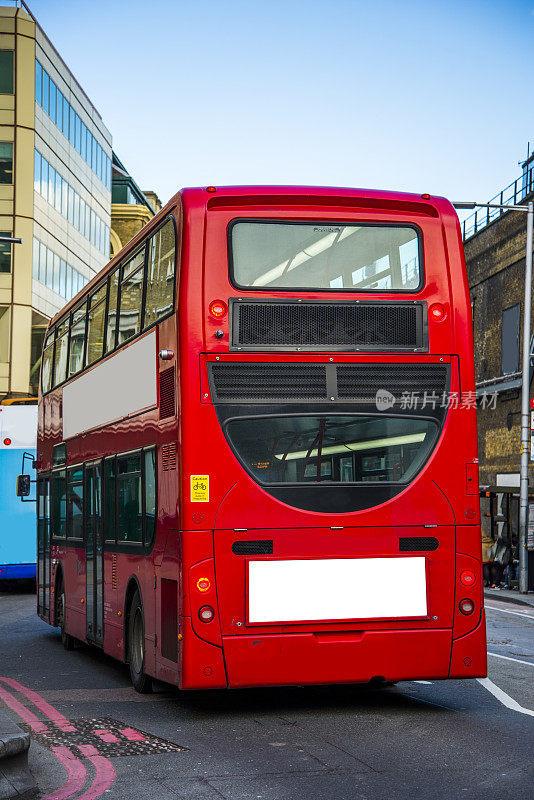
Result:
5,318
53,96
95,325
6,71
38,83
59,110
131,297
77,340
46,91
44,177
160,274
6,162
37,172
66,116
5,253
35,259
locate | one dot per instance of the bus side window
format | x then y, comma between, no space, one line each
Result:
129,498
150,494
96,319
112,310
60,359
75,503
110,500
59,505
160,274
47,368
77,340
131,297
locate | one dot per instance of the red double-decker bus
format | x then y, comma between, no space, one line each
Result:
257,454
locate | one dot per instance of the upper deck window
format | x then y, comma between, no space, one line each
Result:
325,256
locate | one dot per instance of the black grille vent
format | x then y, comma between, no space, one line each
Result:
253,548
361,382
166,393
411,385
413,543
268,382
311,325
168,455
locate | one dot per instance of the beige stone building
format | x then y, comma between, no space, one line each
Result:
55,193
131,208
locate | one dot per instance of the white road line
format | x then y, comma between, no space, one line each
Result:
509,658
523,614
504,698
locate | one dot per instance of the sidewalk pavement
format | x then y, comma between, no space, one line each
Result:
16,780
510,596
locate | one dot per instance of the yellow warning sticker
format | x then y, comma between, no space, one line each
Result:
200,488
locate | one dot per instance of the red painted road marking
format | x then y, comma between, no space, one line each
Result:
76,774
133,735
106,736
48,710
24,713
76,771
104,774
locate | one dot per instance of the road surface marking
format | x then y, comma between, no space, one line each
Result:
24,713
76,774
104,773
48,710
504,698
523,614
509,658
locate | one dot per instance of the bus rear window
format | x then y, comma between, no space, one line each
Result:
333,448
326,257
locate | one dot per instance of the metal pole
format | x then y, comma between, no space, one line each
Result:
525,427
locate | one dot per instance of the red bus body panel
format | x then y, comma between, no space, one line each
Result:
194,539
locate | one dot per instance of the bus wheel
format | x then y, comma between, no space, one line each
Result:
68,641
136,647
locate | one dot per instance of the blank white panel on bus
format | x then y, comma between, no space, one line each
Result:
122,385
336,589
18,423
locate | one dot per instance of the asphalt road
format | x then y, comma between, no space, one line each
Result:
449,739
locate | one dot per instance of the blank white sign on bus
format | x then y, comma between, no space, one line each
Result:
122,385
336,589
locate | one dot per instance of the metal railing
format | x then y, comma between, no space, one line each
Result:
515,193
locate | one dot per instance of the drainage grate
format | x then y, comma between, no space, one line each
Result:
312,325
108,736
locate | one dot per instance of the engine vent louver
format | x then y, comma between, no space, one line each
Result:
311,325
253,548
168,456
339,383
167,398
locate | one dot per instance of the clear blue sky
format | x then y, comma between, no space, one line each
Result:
419,96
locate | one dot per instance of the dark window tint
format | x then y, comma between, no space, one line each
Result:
325,256
59,505
6,162
75,502
6,71
150,494
129,499
334,449
110,498
510,339
5,253
160,274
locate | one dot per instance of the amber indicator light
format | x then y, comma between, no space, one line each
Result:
203,584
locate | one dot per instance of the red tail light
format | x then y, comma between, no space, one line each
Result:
437,312
467,577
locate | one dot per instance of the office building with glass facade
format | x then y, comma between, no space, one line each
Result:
55,193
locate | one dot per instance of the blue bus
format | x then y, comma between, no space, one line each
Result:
18,435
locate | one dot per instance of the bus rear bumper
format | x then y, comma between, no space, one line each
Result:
469,653
315,658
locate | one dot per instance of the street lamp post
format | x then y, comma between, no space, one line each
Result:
525,385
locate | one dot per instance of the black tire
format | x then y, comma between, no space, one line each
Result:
141,682
68,641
